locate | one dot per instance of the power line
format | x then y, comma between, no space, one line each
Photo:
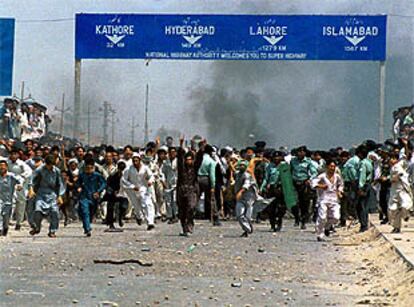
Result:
398,15
44,20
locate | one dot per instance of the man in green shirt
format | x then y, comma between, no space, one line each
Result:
272,187
206,174
349,171
303,171
365,177
408,120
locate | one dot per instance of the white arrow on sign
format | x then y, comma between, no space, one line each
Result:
273,40
192,39
355,40
115,38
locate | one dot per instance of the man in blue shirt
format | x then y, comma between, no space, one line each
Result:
89,186
48,188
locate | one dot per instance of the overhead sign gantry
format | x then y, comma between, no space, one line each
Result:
230,37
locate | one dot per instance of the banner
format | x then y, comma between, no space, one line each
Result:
230,37
6,56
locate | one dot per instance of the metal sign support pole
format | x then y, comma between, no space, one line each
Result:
89,123
381,102
146,132
77,103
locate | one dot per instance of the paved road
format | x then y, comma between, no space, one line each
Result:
287,268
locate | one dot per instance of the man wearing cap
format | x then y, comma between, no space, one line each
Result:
21,170
272,187
303,171
8,184
137,181
73,167
48,189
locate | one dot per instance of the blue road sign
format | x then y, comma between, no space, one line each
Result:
6,55
230,37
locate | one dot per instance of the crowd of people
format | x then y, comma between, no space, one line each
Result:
404,122
23,120
169,182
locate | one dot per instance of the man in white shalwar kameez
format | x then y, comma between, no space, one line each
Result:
23,171
330,187
401,196
137,181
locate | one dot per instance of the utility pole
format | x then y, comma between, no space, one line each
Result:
62,112
113,112
89,119
381,102
22,92
105,122
61,115
146,137
133,126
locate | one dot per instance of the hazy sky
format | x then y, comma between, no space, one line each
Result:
320,104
